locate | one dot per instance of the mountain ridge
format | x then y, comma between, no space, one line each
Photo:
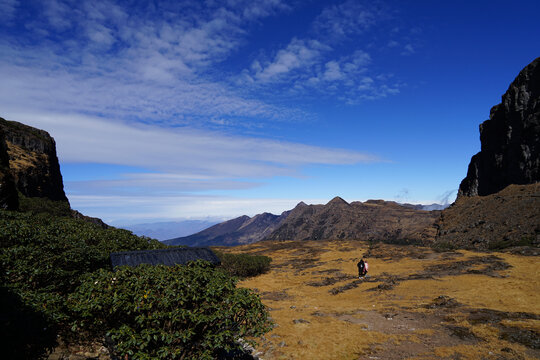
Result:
318,221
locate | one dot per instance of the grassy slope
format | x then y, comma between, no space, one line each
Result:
390,315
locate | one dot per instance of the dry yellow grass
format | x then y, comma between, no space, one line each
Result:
21,159
391,315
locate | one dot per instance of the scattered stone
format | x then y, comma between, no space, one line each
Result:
526,337
461,332
443,301
300,321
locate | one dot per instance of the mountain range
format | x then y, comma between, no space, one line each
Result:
337,219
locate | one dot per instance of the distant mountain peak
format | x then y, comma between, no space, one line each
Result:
337,201
301,204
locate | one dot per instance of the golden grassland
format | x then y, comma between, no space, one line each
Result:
414,304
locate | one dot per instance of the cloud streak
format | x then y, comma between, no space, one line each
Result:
93,140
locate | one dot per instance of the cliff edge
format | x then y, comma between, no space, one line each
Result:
498,204
510,139
32,161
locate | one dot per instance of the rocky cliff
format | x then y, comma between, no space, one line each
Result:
498,204
376,220
33,161
510,139
9,199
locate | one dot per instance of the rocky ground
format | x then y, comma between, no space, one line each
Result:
507,218
415,303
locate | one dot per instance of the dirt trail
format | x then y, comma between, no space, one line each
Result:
415,303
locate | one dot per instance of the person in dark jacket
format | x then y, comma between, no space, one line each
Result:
362,268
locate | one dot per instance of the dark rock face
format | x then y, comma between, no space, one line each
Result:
510,152
33,161
9,199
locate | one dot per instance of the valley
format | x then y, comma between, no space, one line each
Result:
415,303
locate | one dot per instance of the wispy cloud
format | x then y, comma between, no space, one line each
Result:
160,62
152,64
7,9
317,64
348,18
178,162
299,54
84,139
152,86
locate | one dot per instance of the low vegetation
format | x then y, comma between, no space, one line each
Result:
159,312
56,280
244,265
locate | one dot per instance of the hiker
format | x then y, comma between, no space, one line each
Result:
362,268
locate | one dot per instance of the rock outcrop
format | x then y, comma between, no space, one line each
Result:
376,220
505,219
510,139
9,199
33,161
498,204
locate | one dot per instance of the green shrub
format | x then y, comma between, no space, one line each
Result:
244,265
42,258
159,312
55,278
38,205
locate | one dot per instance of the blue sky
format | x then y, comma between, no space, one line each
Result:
214,109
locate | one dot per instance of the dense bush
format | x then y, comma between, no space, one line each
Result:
244,265
159,312
55,278
38,205
43,258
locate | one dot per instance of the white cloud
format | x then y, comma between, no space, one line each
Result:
179,163
348,18
256,9
332,71
57,14
320,64
148,65
298,54
179,151
408,50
